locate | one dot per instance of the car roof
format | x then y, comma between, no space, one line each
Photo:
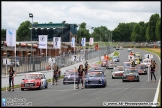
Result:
119,67
34,73
131,68
71,70
127,62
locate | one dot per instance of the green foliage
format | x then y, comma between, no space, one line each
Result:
83,32
136,33
150,32
23,32
3,34
158,29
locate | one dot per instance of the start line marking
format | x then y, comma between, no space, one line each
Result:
78,89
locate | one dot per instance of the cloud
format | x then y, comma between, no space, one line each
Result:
95,14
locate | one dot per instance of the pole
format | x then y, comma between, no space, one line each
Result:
15,59
6,71
148,70
51,71
74,73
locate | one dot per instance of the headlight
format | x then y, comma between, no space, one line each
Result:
86,80
100,79
35,83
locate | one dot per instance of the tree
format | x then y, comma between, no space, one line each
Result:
50,23
3,34
136,33
150,32
83,32
158,29
23,32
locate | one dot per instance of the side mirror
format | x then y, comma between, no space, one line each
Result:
22,79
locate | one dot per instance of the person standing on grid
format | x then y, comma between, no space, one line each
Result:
12,74
153,68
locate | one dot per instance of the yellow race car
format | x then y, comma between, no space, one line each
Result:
136,60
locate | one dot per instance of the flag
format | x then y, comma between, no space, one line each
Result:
91,41
42,42
11,38
73,42
83,41
57,42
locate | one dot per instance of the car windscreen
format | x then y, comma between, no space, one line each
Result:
141,67
127,64
70,73
115,57
130,71
32,76
95,74
118,69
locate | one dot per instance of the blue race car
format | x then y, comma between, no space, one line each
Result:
95,78
115,58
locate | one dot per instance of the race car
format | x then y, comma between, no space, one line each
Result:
136,60
127,64
115,58
142,69
121,47
117,72
130,74
117,48
34,81
103,63
110,64
147,62
95,78
138,55
69,76
129,49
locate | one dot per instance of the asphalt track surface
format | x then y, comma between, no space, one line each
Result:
115,91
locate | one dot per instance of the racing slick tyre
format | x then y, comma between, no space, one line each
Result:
85,86
39,88
22,89
123,80
138,80
64,83
112,77
46,85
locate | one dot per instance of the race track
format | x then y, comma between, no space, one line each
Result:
116,90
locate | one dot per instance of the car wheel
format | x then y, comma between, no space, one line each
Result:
39,88
46,85
85,86
138,80
123,80
22,89
64,83
112,77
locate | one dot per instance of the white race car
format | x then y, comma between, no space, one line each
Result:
147,62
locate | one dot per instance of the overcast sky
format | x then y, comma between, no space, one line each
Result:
95,14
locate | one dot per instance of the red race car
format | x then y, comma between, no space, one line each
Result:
104,62
34,81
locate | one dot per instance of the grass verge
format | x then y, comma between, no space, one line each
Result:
18,86
116,53
158,53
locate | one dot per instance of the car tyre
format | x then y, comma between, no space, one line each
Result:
64,83
39,88
123,80
112,77
138,80
22,89
85,86
46,85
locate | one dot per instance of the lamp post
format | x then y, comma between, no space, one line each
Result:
63,22
31,16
